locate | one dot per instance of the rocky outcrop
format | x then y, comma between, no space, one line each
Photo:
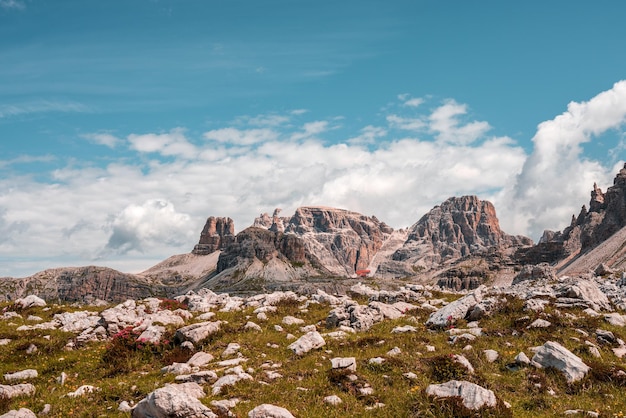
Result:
216,234
606,215
82,284
459,227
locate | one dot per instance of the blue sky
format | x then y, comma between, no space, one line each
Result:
125,124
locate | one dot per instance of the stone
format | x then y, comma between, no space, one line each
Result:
21,375
589,292
252,326
177,368
200,359
197,332
30,301
175,400
231,350
152,334
454,310
333,400
403,329
522,359
229,380
269,411
83,390
344,363
309,341
491,355
124,407
463,361
473,396
202,377
553,354
542,271
290,320
21,413
539,323
22,389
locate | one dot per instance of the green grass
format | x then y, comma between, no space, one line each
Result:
131,373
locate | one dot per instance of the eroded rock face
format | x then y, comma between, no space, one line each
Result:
459,227
605,216
217,233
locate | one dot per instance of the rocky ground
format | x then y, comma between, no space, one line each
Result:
545,346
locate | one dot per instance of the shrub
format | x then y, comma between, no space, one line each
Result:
445,368
172,304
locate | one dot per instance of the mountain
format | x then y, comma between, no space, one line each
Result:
591,238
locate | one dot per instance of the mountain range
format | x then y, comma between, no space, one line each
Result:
457,244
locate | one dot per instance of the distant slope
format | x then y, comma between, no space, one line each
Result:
611,252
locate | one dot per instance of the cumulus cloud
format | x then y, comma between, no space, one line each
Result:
236,136
159,205
556,177
153,223
173,143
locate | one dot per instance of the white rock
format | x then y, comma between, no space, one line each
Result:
5,341
30,301
198,332
376,360
333,400
269,411
307,342
455,310
21,375
124,407
231,350
22,389
229,380
491,355
403,329
21,413
203,377
344,363
83,390
290,320
396,351
177,368
539,323
205,316
200,359
553,354
252,326
410,375
463,361
176,400
522,358
472,395
152,334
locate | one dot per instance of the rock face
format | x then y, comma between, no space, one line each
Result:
459,227
83,284
606,215
216,234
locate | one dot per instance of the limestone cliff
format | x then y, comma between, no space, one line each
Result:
459,227
216,234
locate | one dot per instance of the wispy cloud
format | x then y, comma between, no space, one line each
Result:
9,110
12,4
103,138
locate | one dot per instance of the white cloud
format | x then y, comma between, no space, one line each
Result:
40,107
153,223
310,129
556,178
103,138
444,122
173,143
12,4
240,137
368,135
407,124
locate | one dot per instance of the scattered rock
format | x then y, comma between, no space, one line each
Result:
473,396
21,413
269,411
22,375
553,354
175,400
306,343
22,389
30,301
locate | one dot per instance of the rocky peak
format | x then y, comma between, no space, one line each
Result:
274,223
605,216
216,234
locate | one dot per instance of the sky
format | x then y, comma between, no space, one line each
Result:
124,125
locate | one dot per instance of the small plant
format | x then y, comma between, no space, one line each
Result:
444,368
172,304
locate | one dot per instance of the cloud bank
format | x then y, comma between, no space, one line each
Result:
152,201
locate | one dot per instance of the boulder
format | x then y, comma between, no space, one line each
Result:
11,391
30,301
455,310
309,341
589,292
473,396
175,400
21,413
344,363
197,332
553,354
22,375
269,411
